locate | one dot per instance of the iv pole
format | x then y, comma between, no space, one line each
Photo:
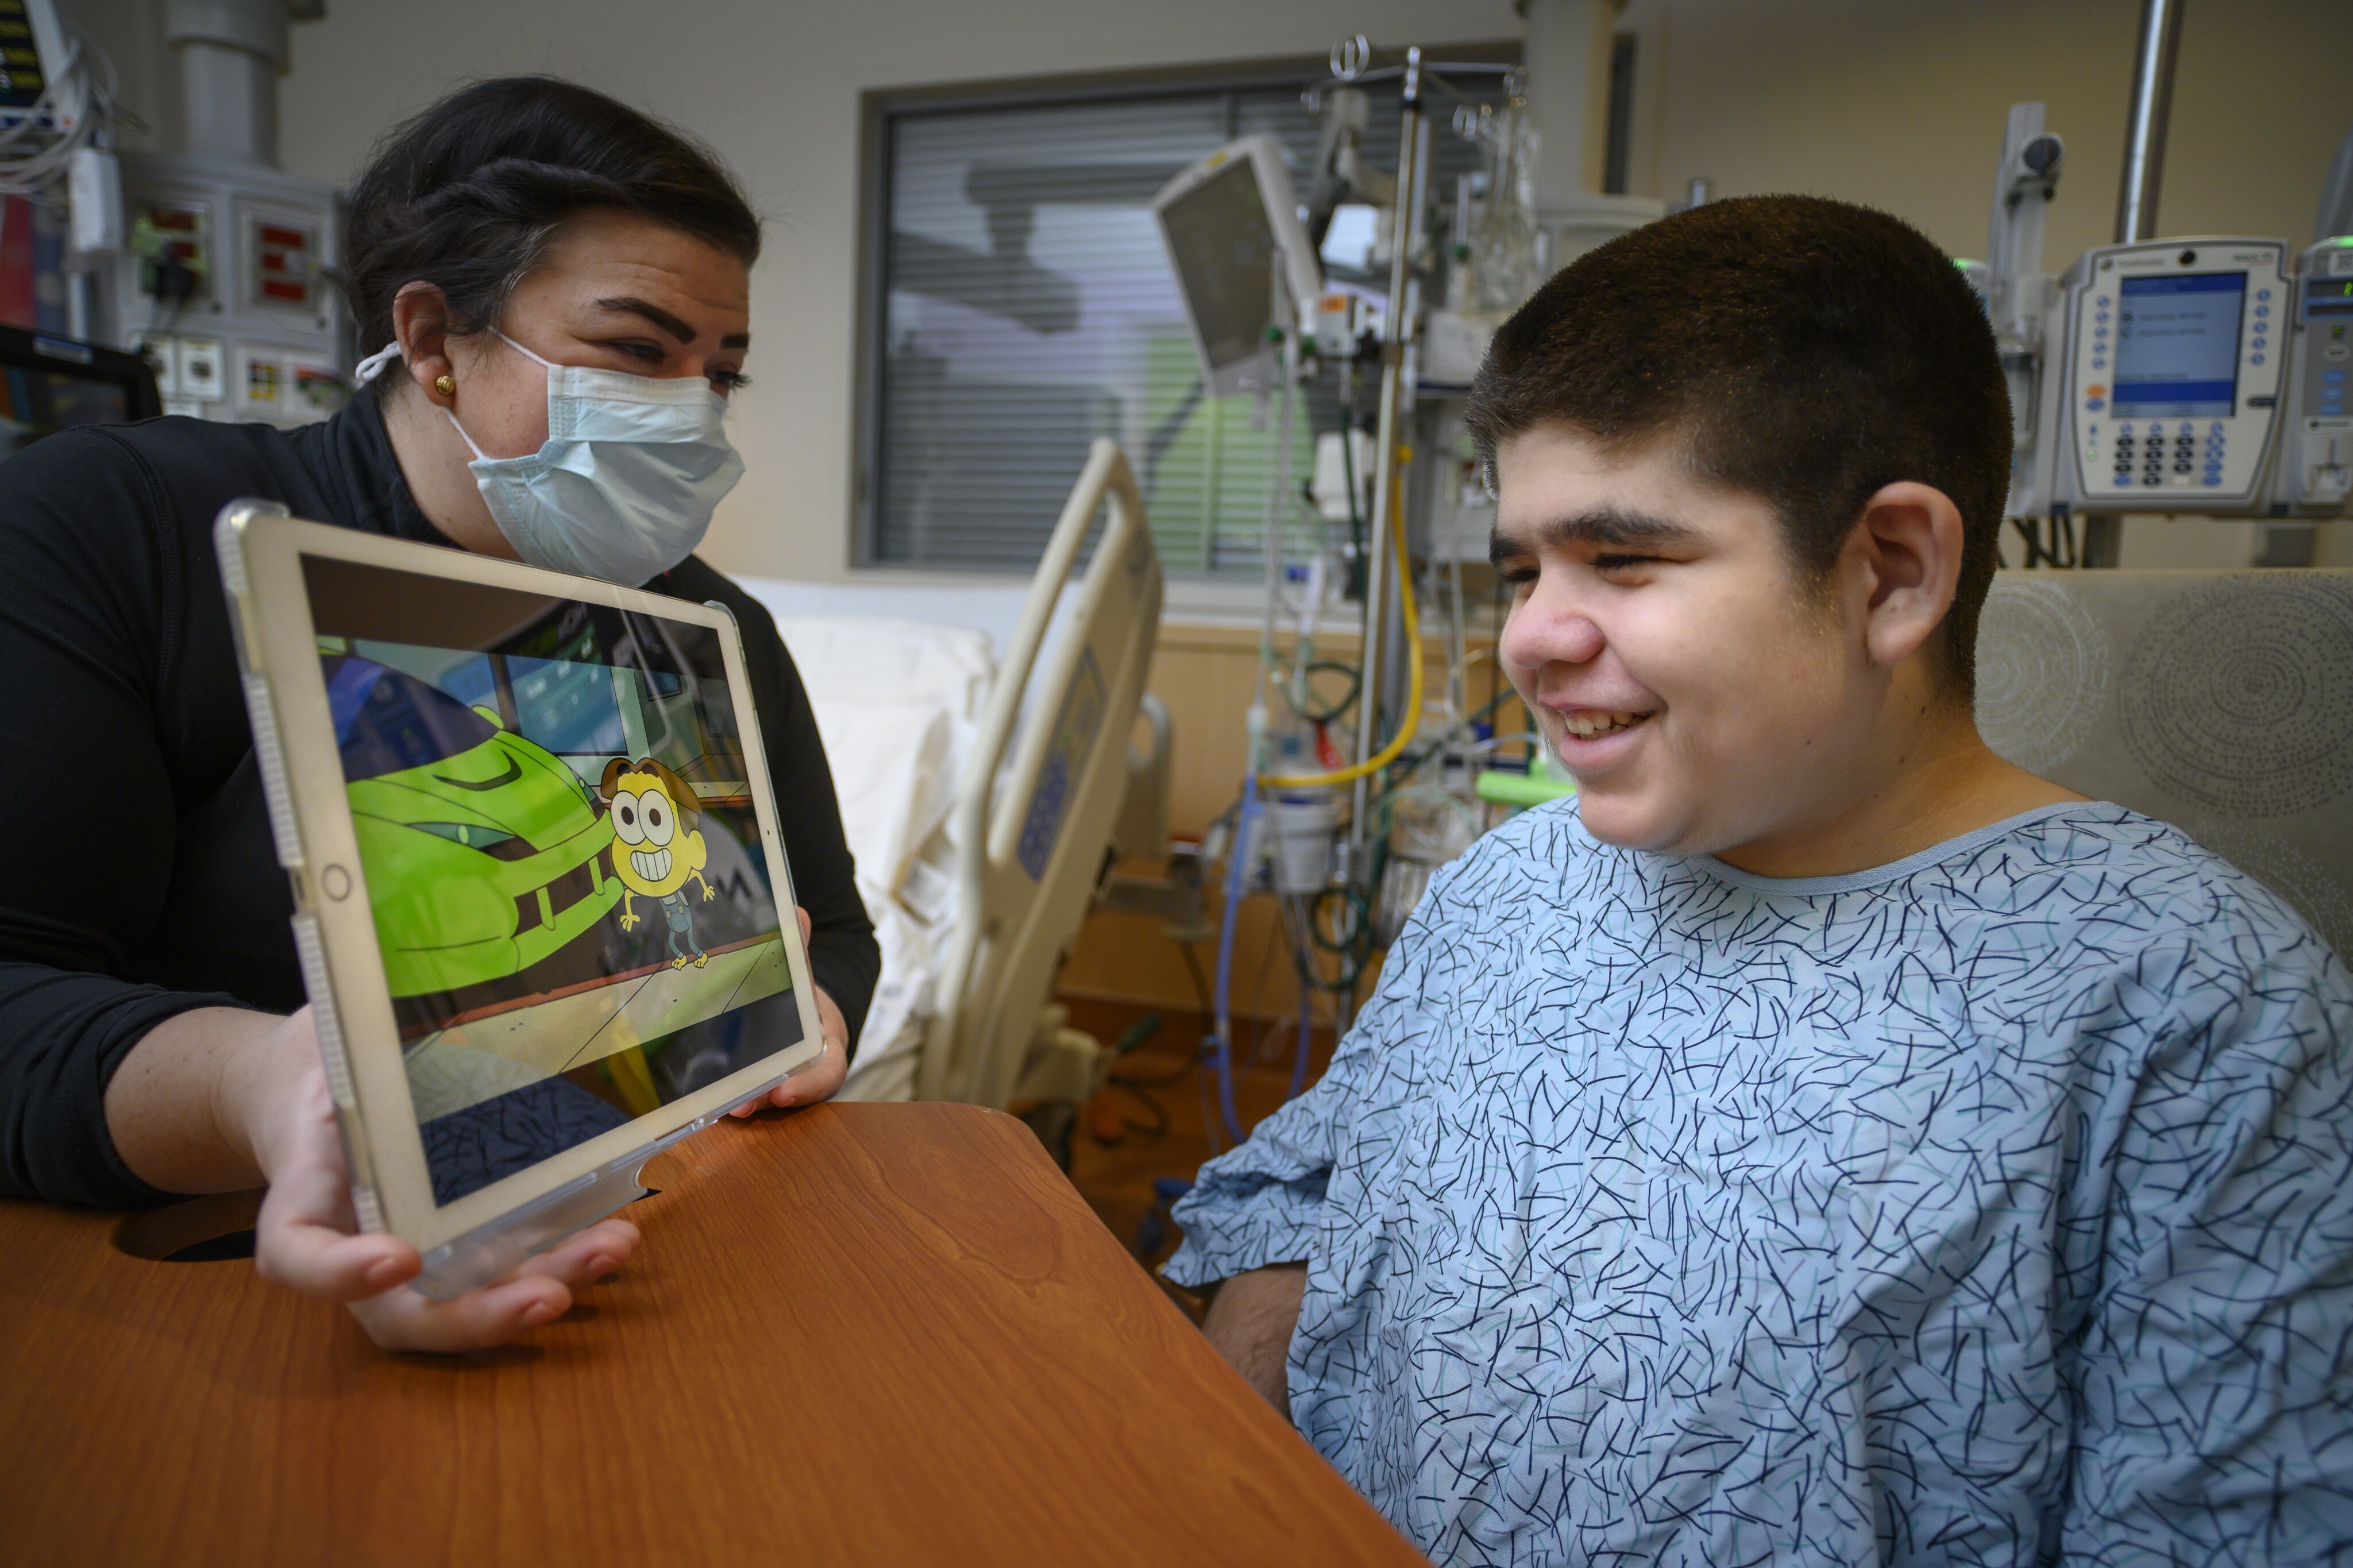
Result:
1400,331
1397,336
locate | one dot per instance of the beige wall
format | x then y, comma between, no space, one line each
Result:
1900,104
774,87
1896,102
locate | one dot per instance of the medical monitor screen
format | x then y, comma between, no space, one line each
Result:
2329,298
37,401
559,848
2178,345
1224,250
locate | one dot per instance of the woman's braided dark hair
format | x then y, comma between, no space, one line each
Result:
466,195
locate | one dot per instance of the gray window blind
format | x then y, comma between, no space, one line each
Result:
1027,308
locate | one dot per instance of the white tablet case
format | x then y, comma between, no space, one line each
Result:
483,1234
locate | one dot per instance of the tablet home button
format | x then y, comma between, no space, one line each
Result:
336,883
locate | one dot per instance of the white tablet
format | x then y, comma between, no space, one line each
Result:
541,902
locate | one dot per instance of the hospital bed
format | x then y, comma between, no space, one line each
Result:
980,796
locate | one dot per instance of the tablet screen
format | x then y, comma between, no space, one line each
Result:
559,849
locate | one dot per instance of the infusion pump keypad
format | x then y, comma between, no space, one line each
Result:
2174,372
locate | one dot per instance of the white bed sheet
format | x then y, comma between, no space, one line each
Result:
898,704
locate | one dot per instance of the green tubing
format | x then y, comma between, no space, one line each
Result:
1521,789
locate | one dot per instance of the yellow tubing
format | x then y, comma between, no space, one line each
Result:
1412,723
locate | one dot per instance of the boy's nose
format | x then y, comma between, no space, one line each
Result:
1538,633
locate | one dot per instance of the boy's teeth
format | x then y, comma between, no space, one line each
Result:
1586,725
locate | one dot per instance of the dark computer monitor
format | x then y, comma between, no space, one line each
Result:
50,384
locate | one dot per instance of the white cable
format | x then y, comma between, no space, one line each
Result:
32,173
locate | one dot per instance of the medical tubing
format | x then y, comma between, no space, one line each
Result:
1269,549
1327,712
1294,908
1348,468
35,172
1413,763
1411,722
1355,949
1299,1062
1237,877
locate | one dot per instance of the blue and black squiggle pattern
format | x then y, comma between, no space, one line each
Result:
1993,1207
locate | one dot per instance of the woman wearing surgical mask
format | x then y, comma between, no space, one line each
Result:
552,296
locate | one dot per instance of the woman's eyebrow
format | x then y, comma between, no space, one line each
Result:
656,314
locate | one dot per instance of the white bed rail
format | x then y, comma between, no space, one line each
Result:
1031,843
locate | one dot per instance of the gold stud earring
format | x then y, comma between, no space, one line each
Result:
446,385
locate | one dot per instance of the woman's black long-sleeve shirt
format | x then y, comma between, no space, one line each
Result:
137,879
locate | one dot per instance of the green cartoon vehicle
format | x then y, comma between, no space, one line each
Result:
484,851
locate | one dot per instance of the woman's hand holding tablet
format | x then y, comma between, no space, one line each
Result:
307,1239
275,1118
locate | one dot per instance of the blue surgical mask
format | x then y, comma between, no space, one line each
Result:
625,486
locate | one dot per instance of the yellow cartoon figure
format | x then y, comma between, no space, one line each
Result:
654,812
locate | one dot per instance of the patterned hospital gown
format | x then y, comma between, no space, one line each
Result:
1995,1206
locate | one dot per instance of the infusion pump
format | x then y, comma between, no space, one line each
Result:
2314,471
2171,378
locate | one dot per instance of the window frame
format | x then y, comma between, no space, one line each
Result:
880,109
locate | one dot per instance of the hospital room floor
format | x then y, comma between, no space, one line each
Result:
1117,1179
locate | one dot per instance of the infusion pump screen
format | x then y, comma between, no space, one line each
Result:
2178,345
2328,297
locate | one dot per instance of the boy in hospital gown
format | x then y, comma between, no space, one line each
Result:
1820,1143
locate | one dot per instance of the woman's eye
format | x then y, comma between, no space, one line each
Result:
729,380
646,354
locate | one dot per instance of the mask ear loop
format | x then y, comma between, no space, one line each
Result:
543,363
376,363
480,455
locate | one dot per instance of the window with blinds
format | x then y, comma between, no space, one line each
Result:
1020,304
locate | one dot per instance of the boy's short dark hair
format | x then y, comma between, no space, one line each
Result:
1806,350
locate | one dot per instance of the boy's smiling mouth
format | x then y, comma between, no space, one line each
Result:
1592,723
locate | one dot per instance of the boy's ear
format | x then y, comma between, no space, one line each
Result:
1904,557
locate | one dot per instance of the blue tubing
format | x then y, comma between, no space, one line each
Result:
1237,877
1306,1027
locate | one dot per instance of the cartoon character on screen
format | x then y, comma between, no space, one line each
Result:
654,815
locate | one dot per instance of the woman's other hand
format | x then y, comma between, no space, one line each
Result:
822,1077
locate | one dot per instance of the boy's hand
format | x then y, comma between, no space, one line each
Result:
1252,1323
822,1077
